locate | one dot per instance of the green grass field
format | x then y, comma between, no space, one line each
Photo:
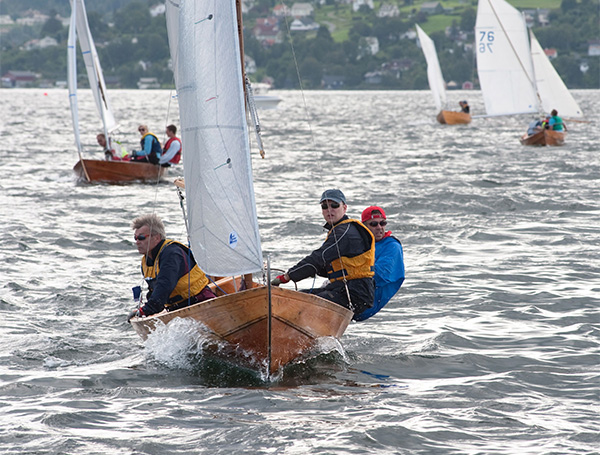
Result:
339,18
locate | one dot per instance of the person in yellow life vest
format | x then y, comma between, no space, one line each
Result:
174,279
347,258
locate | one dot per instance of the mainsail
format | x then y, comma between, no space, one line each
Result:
434,72
72,76
79,29
222,220
504,60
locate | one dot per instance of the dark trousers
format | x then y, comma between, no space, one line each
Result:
205,294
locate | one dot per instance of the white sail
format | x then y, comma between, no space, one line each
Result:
504,60
172,18
434,72
94,70
72,76
222,219
552,91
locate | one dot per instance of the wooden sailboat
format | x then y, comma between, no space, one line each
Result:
94,170
437,84
262,325
515,74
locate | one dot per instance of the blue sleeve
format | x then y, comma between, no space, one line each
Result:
389,265
147,144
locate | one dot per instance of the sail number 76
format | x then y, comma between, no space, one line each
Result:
486,41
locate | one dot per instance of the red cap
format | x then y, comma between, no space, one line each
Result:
367,213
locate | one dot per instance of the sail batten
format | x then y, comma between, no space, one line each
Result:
221,209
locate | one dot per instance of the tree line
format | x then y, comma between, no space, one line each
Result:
136,46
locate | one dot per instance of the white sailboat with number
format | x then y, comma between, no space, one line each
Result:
515,75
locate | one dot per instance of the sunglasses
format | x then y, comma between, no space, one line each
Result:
378,223
141,130
333,205
141,237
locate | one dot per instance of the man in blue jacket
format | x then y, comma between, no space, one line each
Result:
389,261
151,149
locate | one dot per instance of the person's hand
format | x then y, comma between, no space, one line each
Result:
279,279
135,314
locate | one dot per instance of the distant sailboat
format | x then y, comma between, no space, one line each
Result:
89,169
515,74
256,324
437,84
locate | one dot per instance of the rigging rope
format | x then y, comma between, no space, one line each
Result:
313,141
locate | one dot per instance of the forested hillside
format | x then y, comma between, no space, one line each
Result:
336,45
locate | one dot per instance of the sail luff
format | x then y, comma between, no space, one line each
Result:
223,225
434,71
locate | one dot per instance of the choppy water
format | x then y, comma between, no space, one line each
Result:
491,346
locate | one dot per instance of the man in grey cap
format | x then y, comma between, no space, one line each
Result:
347,258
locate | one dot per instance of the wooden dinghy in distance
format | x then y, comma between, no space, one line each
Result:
257,334
544,137
117,171
453,118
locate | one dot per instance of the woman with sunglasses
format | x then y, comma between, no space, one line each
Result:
389,260
346,257
151,149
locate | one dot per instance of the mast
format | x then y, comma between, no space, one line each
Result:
238,9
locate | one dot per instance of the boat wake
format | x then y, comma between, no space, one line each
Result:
188,345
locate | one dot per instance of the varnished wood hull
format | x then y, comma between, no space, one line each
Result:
267,339
453,118
544,137
117,171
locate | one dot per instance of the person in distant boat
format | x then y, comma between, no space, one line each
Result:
389,261
172,149
347,258
535,126
464,107
109,152
151,149
556,123
173,277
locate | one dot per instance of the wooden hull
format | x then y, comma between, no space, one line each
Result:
453,118
117,171
257,337
544,137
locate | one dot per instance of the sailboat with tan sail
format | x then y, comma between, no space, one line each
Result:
265,327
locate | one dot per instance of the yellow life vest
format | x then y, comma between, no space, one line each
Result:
361,266
187,286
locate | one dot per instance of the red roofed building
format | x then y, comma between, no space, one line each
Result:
267,31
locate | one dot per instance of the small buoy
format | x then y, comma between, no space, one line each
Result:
45,93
